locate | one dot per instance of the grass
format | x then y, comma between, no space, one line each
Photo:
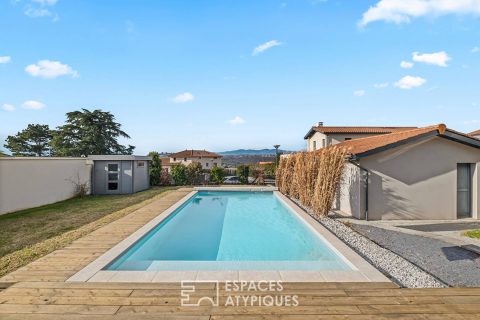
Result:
472,234
84,211
25,228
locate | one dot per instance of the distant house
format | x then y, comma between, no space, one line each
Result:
320,136
475,134
425,173
207,159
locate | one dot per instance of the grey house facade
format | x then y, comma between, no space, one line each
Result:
430,173
119,174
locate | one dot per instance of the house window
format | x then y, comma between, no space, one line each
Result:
323,143
346,139
206,164
185,159
174,159
141,164
314,145
112,176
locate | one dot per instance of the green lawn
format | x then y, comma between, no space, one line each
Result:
473,234
28,227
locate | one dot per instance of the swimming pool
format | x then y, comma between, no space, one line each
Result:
228,233
227,230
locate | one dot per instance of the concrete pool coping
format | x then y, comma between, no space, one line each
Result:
362,270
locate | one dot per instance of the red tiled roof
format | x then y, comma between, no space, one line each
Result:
355,130
165,161
474,133
329,129
195,154
362,145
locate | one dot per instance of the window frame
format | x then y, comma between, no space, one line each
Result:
108,180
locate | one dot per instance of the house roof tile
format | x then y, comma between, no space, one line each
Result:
369,145
474,133
356,130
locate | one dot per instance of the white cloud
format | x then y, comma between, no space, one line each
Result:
475,50
37,12
265,46
5,59
409,82
403,11
236,121
46,2
359,93
406,65
33,105
8,107
50,69
381,85
184,97
437,58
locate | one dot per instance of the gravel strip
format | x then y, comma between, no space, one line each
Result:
451,264
394,266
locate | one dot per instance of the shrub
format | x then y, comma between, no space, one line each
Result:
242,173
178,174
193,173
155,168
313,178
217,175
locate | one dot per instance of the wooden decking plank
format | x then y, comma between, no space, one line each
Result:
57,309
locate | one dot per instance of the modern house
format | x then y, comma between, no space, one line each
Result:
119,174
425,173
207,159
475,134
320,136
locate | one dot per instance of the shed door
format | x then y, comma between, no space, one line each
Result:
113,177
464,190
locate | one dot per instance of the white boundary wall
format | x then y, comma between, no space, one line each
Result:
31,182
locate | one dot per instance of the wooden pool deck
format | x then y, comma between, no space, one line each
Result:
40,291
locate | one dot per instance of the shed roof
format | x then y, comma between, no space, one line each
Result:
118,157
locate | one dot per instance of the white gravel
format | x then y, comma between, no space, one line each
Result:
392,265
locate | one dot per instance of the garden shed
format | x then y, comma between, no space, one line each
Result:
119,174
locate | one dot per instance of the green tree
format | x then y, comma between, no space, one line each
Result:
217,175
178,174
89,132
193,173
32,141
155,168
243,172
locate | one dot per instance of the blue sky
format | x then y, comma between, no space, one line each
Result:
222,75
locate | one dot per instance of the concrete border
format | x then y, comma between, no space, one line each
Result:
361,271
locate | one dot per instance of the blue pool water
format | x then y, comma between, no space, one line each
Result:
231,231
